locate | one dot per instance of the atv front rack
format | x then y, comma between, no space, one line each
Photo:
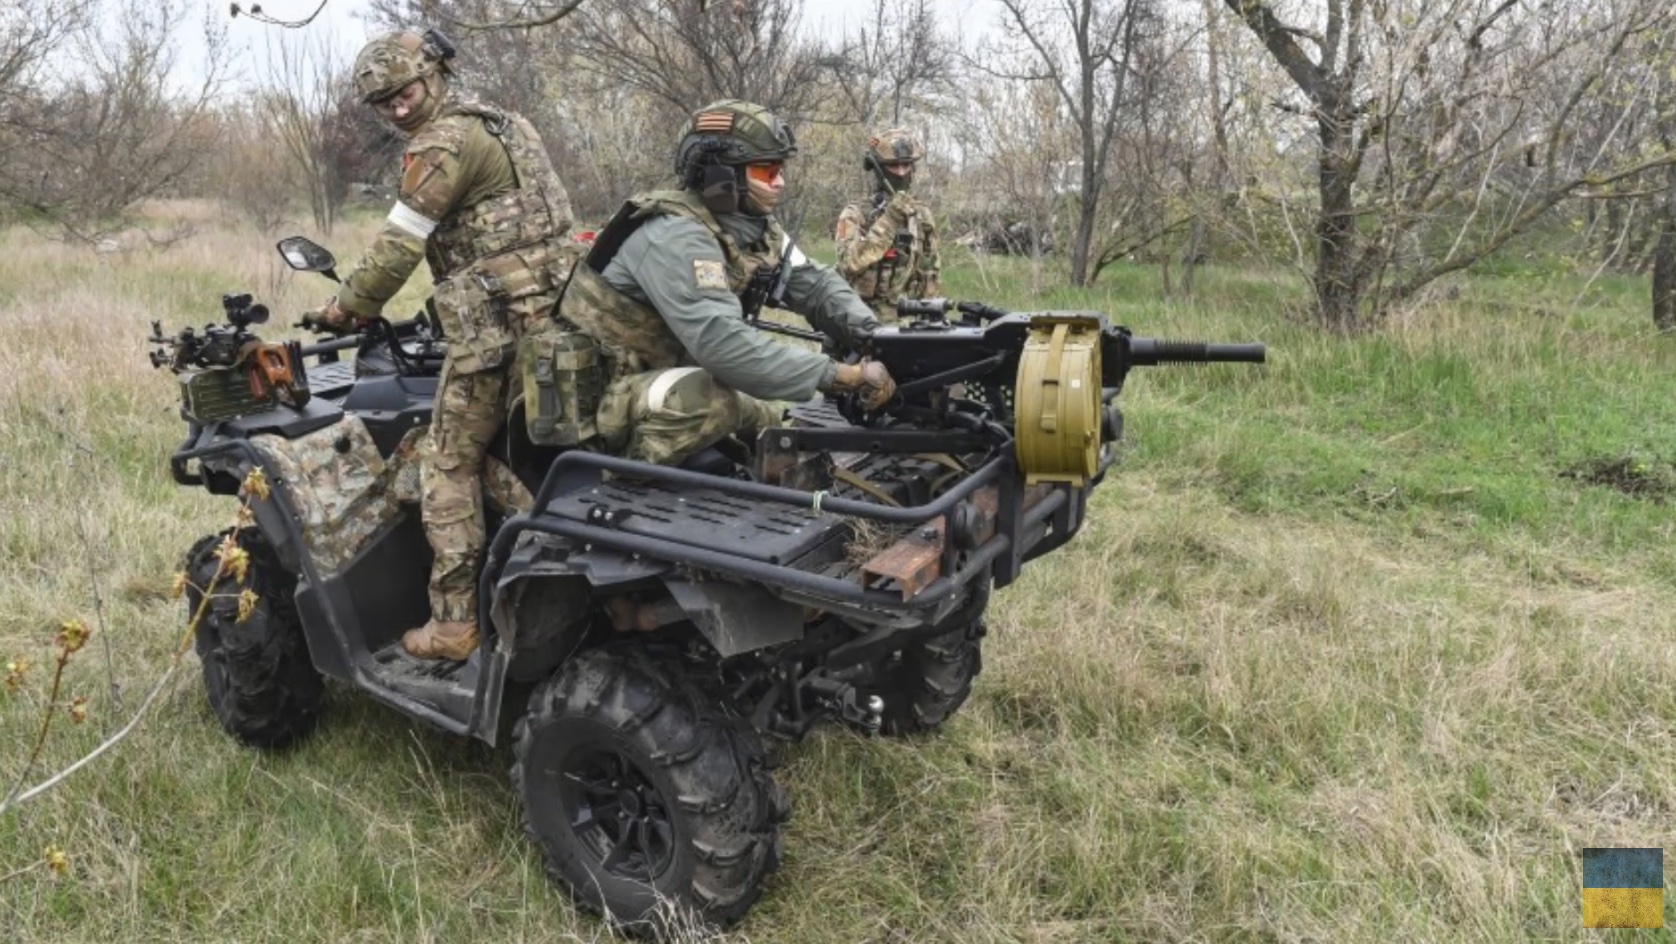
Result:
757,532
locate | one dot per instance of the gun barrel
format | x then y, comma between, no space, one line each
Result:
1151,351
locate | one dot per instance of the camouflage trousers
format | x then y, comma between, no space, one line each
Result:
664,416
454,473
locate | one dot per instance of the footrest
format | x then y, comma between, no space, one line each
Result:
432,680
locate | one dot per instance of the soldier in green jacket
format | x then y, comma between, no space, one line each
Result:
887,247
481,203
673,279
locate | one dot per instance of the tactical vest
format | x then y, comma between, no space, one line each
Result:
899,273
631,333
535,215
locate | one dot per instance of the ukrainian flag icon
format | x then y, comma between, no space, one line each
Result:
1623,888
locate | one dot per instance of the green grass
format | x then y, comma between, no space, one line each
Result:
1351,649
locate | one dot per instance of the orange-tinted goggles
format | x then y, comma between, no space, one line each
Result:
766,172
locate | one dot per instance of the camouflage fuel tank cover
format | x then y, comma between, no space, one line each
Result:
670,296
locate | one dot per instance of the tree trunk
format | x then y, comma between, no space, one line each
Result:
1082,243
1193,255
1337,292
1664,274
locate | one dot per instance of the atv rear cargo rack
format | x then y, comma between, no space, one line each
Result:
758,532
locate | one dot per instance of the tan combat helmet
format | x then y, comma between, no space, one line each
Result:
896,146
387,64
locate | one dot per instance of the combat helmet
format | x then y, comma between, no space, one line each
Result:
387,64
717,142
896,146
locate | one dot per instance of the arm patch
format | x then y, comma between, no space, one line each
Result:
710,274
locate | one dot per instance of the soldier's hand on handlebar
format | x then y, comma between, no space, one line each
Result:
330,317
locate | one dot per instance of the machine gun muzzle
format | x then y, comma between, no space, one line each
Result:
1149,352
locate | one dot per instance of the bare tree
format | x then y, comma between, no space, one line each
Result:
1215,105
686,53
1084,51
1152,175
1018,144
1442,130
31,33
899,59
304,95
83,149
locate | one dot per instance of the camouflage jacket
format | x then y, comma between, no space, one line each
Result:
478,194
889,249
667,293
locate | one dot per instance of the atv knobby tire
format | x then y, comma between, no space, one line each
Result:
650,805
260,681
927,682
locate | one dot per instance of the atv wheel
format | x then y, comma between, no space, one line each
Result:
261,684
650,805
927,682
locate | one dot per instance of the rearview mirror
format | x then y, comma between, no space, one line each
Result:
306,255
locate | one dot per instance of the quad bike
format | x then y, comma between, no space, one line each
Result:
649,631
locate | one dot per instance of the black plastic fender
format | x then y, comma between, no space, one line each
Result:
533,604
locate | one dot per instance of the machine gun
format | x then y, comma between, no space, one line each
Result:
226,370
1043,385
987,346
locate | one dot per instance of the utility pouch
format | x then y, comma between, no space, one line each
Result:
563,379
472,310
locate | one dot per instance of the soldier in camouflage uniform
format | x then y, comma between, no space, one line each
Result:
670,285
481,203
887,247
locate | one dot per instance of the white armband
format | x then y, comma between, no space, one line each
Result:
409,220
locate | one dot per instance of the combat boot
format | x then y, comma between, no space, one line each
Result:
441,640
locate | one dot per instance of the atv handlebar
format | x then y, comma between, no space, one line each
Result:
327,347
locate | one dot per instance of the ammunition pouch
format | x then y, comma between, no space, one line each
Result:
563,377
473,311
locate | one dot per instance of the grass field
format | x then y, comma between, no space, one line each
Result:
1363,646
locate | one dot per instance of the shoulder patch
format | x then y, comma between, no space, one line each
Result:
443,134
710,274
846,228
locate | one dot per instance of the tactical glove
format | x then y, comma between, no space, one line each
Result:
868,379
901,207
329,317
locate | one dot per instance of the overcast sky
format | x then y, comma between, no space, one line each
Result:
342,22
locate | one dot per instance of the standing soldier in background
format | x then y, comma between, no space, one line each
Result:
481,203
888,249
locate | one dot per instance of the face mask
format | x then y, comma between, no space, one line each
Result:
888,182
